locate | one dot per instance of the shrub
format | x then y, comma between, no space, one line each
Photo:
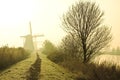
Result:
48,47
56,57
99,72
9,56
53,53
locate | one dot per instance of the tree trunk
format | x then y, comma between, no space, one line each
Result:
84,52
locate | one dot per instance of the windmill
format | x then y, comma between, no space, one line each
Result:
29,43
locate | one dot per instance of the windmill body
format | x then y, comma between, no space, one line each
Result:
29,43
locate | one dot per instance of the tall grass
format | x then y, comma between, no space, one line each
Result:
9,56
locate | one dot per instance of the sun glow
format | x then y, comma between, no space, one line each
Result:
14,11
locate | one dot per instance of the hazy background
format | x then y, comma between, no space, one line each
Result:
45,19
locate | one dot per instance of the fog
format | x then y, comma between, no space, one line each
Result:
45,16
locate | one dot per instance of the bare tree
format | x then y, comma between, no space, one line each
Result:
84,20
69,47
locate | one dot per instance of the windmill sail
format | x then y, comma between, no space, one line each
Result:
29,45
30,28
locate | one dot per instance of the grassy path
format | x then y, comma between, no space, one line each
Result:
49,70
52,71
19,70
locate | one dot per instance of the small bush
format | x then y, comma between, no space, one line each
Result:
9,56
99,72
48,47
56,57
53,53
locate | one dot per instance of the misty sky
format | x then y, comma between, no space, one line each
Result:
45,19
